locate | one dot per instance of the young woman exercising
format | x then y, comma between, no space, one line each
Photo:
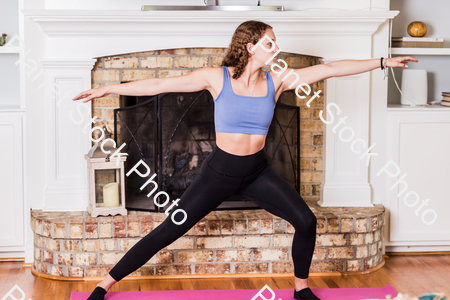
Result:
244,101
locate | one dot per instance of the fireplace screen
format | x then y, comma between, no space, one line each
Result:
173,133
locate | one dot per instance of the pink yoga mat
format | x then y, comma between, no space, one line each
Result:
284,294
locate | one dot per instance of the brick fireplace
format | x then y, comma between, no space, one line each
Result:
224,242
69,243
175,62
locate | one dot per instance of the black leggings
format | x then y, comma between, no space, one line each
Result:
223,175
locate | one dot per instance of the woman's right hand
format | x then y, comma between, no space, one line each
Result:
92,94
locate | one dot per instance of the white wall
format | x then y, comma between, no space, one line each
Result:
35,151
434,13
436,66
9,22
9,72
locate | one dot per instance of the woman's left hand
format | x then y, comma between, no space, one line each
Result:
400,61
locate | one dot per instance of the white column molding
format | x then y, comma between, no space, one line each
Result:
345,181
65,140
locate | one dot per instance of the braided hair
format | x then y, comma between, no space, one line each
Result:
237,54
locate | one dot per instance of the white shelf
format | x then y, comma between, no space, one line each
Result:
11,108
4,49
435,107
420,51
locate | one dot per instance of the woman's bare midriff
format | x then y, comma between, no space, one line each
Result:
240,143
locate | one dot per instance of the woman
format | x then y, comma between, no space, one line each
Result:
244,101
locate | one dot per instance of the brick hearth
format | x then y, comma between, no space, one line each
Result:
73,244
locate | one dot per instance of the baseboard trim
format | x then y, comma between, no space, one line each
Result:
206,276
5,259
419,253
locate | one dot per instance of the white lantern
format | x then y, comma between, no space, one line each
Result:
106,181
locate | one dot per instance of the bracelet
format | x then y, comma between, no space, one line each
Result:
381,61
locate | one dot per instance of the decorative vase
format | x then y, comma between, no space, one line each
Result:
3,39
414,86
417,29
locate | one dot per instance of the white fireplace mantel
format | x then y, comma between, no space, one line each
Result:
75,38
309,33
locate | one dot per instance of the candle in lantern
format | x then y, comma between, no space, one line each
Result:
111,194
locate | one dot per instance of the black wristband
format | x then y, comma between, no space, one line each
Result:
381,60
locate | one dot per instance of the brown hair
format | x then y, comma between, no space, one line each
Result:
237,54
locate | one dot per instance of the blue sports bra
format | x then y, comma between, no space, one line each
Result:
243,114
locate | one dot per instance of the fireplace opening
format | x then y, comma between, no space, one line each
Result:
173,133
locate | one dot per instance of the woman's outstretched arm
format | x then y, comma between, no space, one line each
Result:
195,81
310,75
351,67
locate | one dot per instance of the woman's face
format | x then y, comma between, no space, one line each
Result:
260,54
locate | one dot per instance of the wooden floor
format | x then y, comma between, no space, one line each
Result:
414,275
